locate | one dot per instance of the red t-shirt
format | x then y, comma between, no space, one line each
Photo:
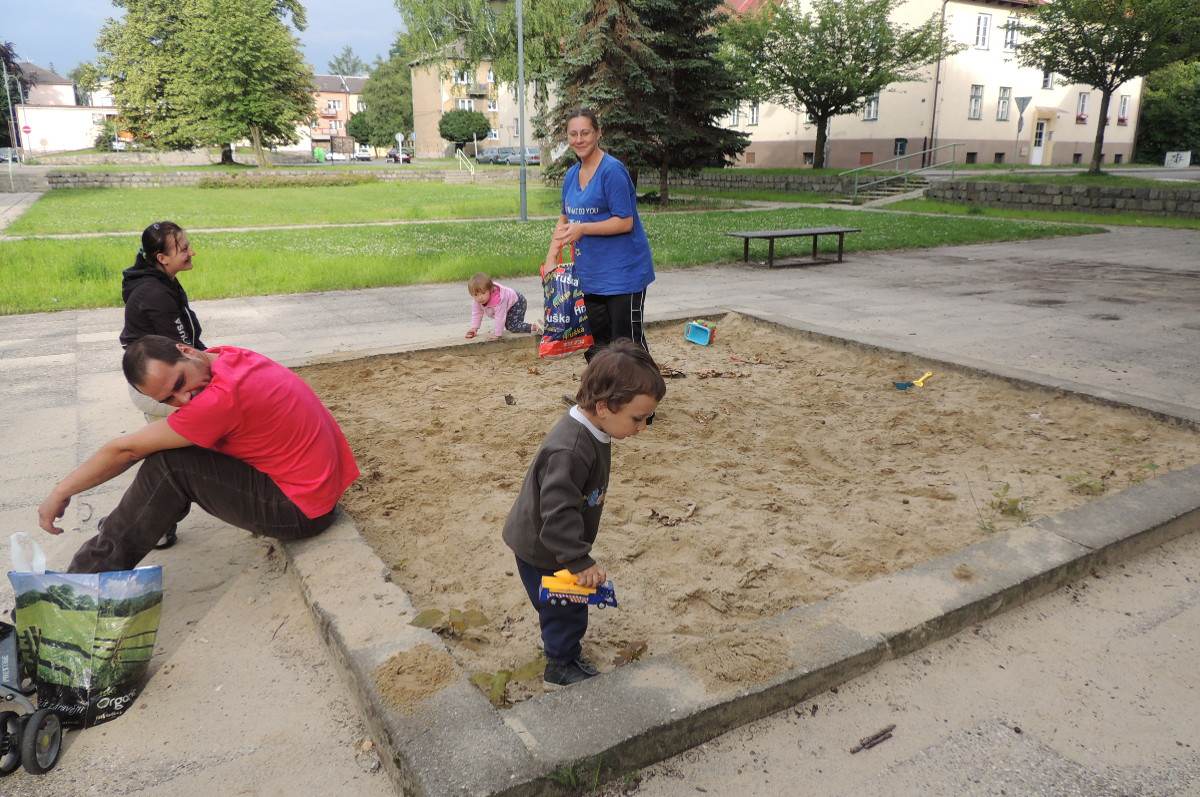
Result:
258,411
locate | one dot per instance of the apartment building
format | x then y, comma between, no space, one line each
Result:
47,118
968,99
440,86
335,99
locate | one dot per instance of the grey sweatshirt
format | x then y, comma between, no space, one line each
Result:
554,520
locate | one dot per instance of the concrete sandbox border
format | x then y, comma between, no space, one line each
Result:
456,743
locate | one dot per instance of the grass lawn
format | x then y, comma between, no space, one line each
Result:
1058,216
39,275
801,197
1082,178
131,209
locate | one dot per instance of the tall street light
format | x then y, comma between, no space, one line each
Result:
521,106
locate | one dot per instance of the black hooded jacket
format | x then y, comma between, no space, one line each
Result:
155,304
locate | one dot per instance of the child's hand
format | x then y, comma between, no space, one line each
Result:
593,577
470,334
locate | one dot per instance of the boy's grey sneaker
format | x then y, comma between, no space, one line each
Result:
559,674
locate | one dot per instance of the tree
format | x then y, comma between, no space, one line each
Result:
241,75
8,55
461,126
141,52
359,127
388,97
86,79
693,91
612,69
347,63
829,60
1170,115
1105,43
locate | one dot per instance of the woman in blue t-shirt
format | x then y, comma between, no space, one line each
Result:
599,216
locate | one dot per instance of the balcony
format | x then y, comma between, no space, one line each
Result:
478,89
329,113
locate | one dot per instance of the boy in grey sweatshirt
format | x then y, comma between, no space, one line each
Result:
554,520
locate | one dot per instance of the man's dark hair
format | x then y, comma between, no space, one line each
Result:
144,349
619,372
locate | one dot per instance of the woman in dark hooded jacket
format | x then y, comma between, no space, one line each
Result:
156,304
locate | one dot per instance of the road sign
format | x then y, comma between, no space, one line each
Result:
399,139
26,129
1022,104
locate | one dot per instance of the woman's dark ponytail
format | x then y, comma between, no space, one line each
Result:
155,241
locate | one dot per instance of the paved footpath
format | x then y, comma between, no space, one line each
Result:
244,699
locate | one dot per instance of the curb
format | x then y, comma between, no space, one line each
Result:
455,743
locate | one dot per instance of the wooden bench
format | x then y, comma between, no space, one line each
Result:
812,232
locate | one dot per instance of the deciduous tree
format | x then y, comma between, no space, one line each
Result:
1170,115
388,97
460,126
828,60
1106,43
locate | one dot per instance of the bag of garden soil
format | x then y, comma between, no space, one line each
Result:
566,325
86,639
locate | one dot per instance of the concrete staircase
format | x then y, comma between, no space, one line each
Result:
903,184
458,177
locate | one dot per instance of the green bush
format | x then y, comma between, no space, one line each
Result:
283,179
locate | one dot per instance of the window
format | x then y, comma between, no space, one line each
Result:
808,117
750,158
462,77
975,106
465,104
333,106
1118,158
972,157
1047,79
1010,34
900,147
753,116
362,106
491,106
735,116
1002,103
983,28
998,157
333,125
1123,110
871,109
516,125
494,134
808,159
1081,109
491,76
1077,158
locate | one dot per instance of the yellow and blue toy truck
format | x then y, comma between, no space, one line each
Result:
562,589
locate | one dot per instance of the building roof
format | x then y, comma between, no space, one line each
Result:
42,77
346,84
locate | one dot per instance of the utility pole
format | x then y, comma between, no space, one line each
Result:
521,105
12,126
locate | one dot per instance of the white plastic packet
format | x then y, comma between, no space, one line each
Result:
27,555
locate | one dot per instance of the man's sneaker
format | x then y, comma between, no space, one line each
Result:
559,674
168,539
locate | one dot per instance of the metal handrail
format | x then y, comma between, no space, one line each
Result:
464,162
903,175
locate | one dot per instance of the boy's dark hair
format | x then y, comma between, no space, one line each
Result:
155,239
618,372
144,349
479,283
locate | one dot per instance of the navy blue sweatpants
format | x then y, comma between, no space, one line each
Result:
563,627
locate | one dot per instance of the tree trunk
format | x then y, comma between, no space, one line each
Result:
1101,123
226,154
822,137
256,140
664,185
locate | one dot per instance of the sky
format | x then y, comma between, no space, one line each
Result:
63,32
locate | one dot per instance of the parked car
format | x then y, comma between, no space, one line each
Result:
336,156
533,156
362,153
9,154
398,156
119,145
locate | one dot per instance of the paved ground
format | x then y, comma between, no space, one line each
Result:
243,697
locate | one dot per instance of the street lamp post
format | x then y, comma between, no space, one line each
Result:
521,106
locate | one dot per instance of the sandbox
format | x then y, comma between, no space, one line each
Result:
781,469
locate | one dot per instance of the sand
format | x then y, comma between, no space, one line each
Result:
779,470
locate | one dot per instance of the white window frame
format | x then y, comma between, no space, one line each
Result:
333,125
362,106
491,105
1047,79
494,134
1002,103
1010,33
1123,110
975,102
516,125
871,108
462,77
735,116
491,76
333,106
464,104
753,113
983,31
1081,105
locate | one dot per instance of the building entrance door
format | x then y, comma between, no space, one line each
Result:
1039,143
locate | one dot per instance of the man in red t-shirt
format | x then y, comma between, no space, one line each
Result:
250,443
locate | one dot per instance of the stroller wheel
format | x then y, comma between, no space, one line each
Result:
42,741
10,742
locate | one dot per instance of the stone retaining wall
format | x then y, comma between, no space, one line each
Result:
747,179
1168,200
65,178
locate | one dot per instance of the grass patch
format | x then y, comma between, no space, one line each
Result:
131,209
40,275
1056,216
755,195
1105,180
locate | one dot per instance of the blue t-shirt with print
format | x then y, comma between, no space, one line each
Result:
608,265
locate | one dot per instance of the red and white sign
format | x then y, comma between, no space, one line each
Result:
26,129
